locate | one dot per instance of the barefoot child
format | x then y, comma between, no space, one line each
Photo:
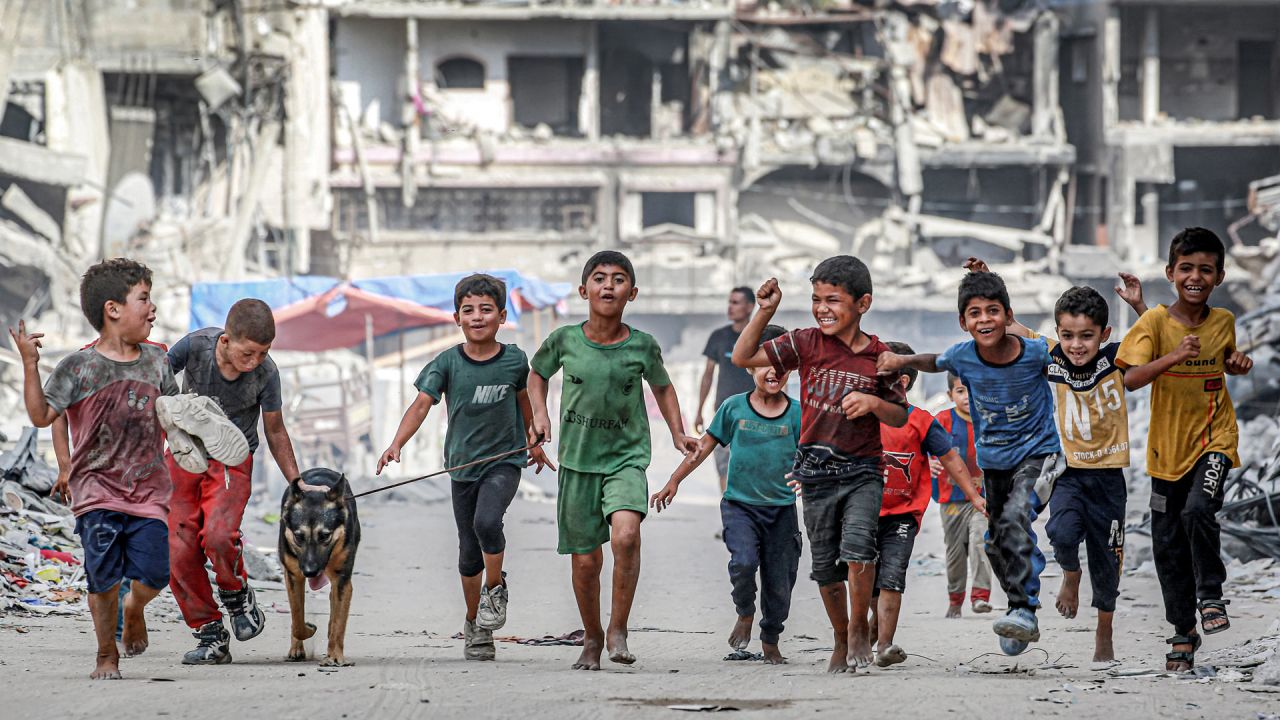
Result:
761,527
963,527
483,383
118,482
604,445
1017,442
1182,351
907,450
837,464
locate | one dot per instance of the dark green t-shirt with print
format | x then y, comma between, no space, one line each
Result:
603,423
484,411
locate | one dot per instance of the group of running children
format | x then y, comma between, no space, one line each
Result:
864,461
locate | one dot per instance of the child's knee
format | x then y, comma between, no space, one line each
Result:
625,538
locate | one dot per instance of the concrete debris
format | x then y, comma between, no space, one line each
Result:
260,565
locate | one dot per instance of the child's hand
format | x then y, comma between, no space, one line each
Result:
539,429
538,456
685,444
890,364
935,467
1130,290
62,488
976,265
979,503
28,345
1188,349
769,296
1238,363
795,486
662,499
856,404
391,454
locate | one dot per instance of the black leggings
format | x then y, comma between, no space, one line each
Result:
478,507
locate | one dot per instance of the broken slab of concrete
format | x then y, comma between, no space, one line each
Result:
24,208
36,163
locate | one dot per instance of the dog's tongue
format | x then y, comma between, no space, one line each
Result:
318,582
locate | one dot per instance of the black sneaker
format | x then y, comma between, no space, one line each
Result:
247,619
214,647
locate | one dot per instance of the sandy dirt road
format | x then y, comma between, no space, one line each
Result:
407,606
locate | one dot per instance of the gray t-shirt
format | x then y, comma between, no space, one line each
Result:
731,380
242,399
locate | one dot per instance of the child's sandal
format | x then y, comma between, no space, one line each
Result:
1182,656
1214,611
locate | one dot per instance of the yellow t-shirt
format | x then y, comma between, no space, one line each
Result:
1191,412
1092,415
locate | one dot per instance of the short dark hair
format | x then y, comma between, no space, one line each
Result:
608,257
770,332
480,285
1085,301
109,281
952,379
902,348
251,319
745,292
985,285
845,271
1194,240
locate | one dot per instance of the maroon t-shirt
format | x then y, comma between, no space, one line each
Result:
832,446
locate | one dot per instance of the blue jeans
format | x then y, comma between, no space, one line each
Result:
764,538
1015,497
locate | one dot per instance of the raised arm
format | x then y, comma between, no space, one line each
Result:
662,499
280,445
747,352
1130,290
38,408
669,406
409,425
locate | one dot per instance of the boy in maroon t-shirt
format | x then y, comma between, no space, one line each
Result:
837,464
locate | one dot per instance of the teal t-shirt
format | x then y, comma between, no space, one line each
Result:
484,411
762,450
603,423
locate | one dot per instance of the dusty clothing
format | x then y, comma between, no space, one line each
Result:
586,501
964,530
840,517
764,538
895,539
1190,399
119,546
1186,538
730,379
117,459
1015,497
204,523
762,449
833,447
243,399
1087,506
907,479
478,508
1093,417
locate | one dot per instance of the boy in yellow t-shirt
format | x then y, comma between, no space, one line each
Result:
1183,350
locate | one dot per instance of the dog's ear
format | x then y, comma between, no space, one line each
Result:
335,491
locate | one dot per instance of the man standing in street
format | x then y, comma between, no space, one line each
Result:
733,380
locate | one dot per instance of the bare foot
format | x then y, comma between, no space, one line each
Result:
953,611
133,637
617,644
590,657
1069,594
839,657
891,655
772,655
740,636
1103,651
108,667
860,654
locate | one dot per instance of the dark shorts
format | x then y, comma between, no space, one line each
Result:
895,539
118,546
840,517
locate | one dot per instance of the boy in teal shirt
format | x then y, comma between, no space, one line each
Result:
605,448
761,527
483,383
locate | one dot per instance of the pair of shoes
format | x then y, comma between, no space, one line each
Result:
1018,624
214,647
477,642
981,606
492,614
197,429
247,620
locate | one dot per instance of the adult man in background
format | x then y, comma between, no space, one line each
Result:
733,380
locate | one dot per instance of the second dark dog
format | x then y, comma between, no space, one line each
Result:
319,535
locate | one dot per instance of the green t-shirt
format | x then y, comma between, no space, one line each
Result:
761,450
484,412
603,423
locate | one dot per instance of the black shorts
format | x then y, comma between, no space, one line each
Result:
840,519
895,539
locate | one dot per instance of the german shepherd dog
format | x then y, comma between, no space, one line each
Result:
319,534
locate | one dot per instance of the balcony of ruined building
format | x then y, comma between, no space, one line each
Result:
533,9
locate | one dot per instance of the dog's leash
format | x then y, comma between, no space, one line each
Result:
455,468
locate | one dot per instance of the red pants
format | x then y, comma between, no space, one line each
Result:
204,522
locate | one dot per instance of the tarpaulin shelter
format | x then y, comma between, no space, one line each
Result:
315,313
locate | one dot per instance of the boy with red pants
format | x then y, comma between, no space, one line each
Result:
230,373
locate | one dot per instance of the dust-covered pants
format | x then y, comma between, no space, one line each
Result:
762,538
1185,538
1015,497
1088,506
204,522
963,530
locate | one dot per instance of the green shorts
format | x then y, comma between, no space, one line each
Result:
586,500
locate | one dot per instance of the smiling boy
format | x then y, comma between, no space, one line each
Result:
838,461
605,444
482,381
1183,351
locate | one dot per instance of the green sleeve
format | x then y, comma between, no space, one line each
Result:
434,378
721,427
547,361
654,371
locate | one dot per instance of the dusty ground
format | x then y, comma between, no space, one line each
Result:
407,606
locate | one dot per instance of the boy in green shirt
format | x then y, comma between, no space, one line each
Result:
605,449
483,382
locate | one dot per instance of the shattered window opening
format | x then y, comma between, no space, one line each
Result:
460,73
